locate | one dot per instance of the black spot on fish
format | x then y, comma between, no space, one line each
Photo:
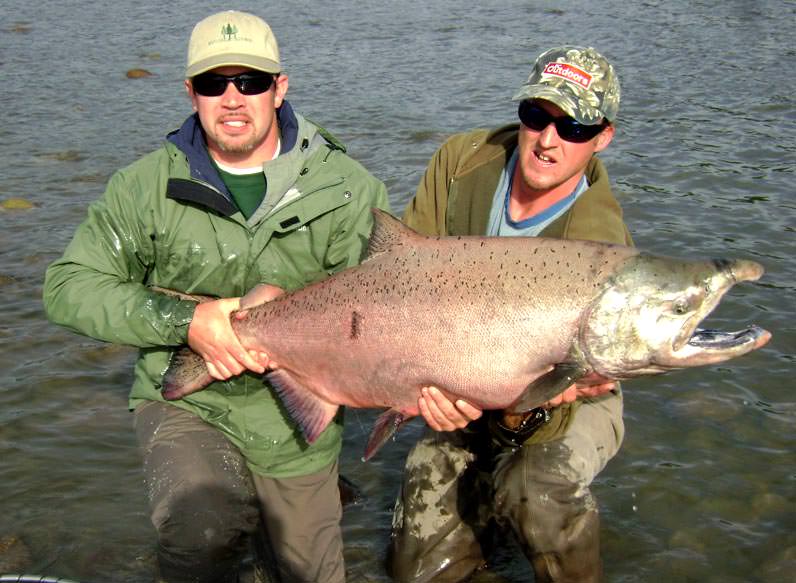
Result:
356,323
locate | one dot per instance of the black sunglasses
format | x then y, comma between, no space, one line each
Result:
248,83
537,119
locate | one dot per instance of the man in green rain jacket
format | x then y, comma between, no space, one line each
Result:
530,473
246,192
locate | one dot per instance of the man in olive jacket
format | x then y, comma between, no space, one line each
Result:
246,192
530,472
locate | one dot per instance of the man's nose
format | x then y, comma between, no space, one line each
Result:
548,136
231,96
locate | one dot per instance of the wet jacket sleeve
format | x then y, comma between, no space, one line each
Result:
97,287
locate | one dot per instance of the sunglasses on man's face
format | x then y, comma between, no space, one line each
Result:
248,83
537,119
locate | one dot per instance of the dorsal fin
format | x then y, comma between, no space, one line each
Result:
387,234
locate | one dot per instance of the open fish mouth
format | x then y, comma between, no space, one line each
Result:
709,339
707,346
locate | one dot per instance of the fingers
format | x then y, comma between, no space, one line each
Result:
246,360
425,411
569,395
599,390
442,414
469,411
229,364
217,372
261,358
211,336
578,391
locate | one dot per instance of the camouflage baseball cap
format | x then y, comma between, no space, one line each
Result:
578,80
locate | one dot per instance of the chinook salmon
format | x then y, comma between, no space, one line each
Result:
482,318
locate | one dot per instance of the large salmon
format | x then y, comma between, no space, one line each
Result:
483,319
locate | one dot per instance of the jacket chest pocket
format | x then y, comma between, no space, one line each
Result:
294,258
300,238
203,263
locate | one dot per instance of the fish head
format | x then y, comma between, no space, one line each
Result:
646,319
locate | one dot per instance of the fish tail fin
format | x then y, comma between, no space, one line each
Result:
186,374
310,413
385,427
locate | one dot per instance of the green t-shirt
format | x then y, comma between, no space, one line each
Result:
247,189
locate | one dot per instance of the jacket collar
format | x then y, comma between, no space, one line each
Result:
190,139
480,171
496,147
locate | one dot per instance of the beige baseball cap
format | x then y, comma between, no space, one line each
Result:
577,79
232,38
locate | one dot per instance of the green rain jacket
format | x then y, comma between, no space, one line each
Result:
454,197
167,220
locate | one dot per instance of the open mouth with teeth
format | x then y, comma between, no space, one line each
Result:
708,346
708,339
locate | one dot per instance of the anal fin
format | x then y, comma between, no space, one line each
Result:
309,412
385,427
547,386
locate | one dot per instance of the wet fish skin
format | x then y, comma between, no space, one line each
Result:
483,319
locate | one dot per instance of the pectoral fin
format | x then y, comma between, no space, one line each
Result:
310,413
547,386
385,427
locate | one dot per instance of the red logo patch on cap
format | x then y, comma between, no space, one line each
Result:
569,73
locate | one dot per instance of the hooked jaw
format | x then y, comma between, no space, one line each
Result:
712,346
740,269
647,321
700,346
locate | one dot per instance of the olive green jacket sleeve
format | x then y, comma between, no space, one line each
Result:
97,287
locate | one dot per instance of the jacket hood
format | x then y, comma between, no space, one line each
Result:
190,139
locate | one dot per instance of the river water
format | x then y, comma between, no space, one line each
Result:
703,163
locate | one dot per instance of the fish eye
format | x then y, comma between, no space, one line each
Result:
680,306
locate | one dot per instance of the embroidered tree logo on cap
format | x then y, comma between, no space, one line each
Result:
229,31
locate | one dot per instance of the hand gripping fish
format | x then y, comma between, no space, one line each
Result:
482,318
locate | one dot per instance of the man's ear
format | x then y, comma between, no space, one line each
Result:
281,90
189,91
604,138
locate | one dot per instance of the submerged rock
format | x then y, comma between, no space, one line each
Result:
14,554
65,156
16,204
138,74
20,28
